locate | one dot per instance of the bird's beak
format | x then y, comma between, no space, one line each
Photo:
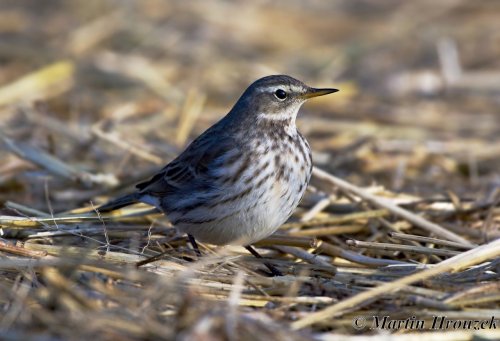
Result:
312,92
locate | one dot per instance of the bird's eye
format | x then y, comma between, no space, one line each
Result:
280,94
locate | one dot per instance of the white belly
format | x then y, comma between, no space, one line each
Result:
246,226
257,217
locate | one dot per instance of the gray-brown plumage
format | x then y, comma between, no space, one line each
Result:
243,177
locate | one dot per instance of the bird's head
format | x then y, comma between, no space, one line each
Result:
277,97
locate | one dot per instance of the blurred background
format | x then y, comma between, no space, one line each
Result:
114,89
97,95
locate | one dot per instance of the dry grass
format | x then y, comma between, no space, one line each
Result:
402,217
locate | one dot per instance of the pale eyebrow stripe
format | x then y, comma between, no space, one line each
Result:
287,87
269,89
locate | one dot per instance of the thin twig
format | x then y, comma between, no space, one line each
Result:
382,202
399,247
405,236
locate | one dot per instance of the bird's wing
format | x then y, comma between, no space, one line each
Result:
191,168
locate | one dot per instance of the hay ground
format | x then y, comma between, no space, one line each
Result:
401,219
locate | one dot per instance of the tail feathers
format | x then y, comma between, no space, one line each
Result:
120,202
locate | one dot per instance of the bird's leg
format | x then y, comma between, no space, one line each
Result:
274,271
194,244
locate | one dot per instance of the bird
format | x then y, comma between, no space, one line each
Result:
241,179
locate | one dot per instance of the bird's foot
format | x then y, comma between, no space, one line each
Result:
274,272
194,244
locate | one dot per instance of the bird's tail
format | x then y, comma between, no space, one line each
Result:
120,202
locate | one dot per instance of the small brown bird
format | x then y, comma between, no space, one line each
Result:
244,176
